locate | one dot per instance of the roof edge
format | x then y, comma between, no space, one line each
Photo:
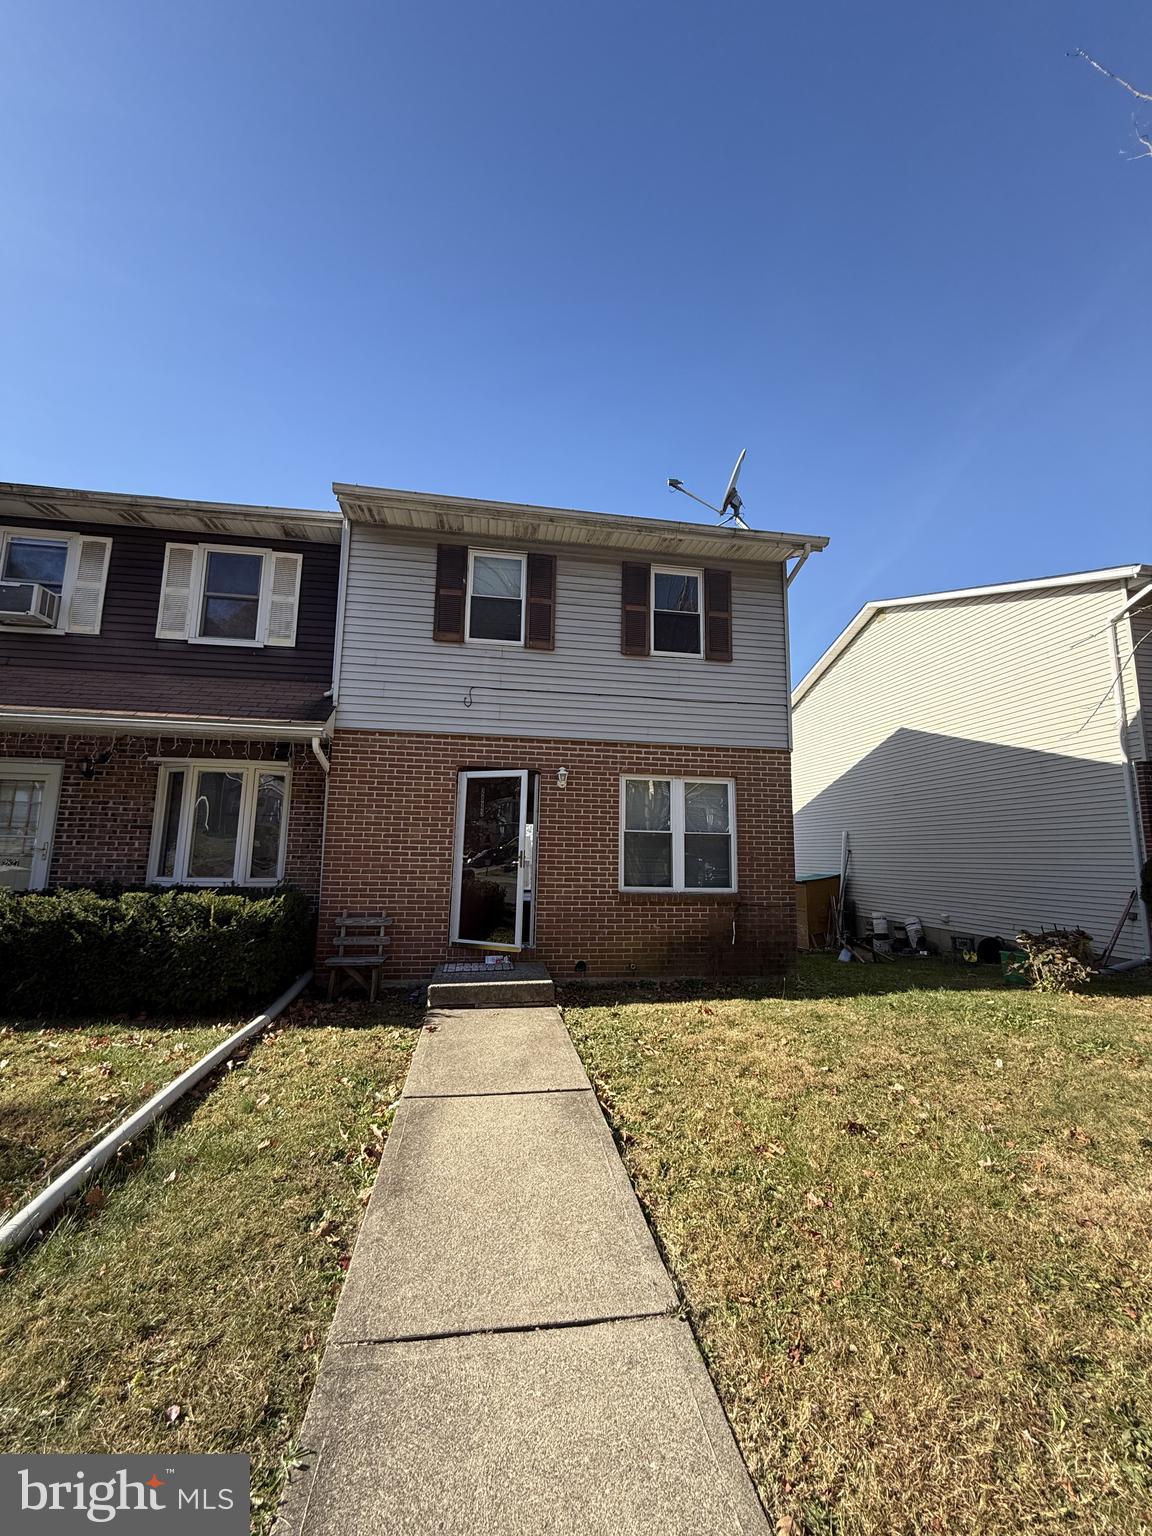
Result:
994,589
108,722
429,501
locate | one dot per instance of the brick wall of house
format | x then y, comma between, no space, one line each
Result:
1144,789
391,816
104,823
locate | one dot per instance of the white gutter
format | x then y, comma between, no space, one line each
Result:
1130,793
165,725
319,754
31,1217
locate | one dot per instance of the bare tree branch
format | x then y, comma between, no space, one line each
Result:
1078,53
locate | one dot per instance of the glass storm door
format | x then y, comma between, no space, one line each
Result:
28,795
488,893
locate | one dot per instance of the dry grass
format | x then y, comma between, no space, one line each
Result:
910,1213
203,1276
62,1085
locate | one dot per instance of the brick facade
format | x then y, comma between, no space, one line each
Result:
1144,791
104,823
391,817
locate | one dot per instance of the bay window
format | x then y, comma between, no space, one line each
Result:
677,834
220,823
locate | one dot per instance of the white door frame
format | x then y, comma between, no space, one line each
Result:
463,778
50,772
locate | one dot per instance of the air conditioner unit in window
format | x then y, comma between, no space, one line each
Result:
29,605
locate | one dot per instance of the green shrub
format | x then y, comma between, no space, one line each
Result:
1059,960
150,951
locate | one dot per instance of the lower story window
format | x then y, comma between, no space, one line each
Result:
677,834
220,824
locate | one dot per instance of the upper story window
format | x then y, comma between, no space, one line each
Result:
224,595
666,610
52,582
495,597
676,626
39,560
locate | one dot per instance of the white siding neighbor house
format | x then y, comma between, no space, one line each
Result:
987,752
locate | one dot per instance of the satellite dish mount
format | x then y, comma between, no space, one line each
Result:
730,508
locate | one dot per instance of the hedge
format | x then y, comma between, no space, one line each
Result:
157,952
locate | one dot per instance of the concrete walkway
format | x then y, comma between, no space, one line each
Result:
506,1355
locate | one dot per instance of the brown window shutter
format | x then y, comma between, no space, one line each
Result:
635,615
451,579
540,620
717,616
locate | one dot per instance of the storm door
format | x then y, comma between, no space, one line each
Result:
491,858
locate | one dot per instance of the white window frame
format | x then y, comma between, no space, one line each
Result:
676,570
191,768
678,781
499,554
196,594
46,536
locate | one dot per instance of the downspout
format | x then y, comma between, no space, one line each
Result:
1130,794
333,692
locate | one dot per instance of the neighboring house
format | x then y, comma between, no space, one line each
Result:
563,735
989,765
165,669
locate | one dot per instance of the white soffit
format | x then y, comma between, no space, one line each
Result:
510,522
64,506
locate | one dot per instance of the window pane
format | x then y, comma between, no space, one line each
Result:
230,618
678,632
233,575
215,822
496,577
494,618
707,861
679,593
41,560
648,858
648,805
170,827
705,807
270,797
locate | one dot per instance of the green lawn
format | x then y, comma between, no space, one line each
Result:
910,1213
183,1305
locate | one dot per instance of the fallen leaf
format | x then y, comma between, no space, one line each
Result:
173,1412
171,1179
857,1128
94,1197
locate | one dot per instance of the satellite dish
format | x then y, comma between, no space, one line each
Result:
731,495
729,509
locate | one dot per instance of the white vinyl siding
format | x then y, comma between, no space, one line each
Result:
394,676
953,741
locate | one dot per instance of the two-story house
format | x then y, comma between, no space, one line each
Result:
165,669
562,734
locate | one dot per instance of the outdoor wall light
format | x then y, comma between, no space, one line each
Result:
561,778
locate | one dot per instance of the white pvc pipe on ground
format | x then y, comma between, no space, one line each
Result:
31,1217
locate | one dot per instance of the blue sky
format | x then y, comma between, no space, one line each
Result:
558,253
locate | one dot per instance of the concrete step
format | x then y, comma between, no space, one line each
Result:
524,986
